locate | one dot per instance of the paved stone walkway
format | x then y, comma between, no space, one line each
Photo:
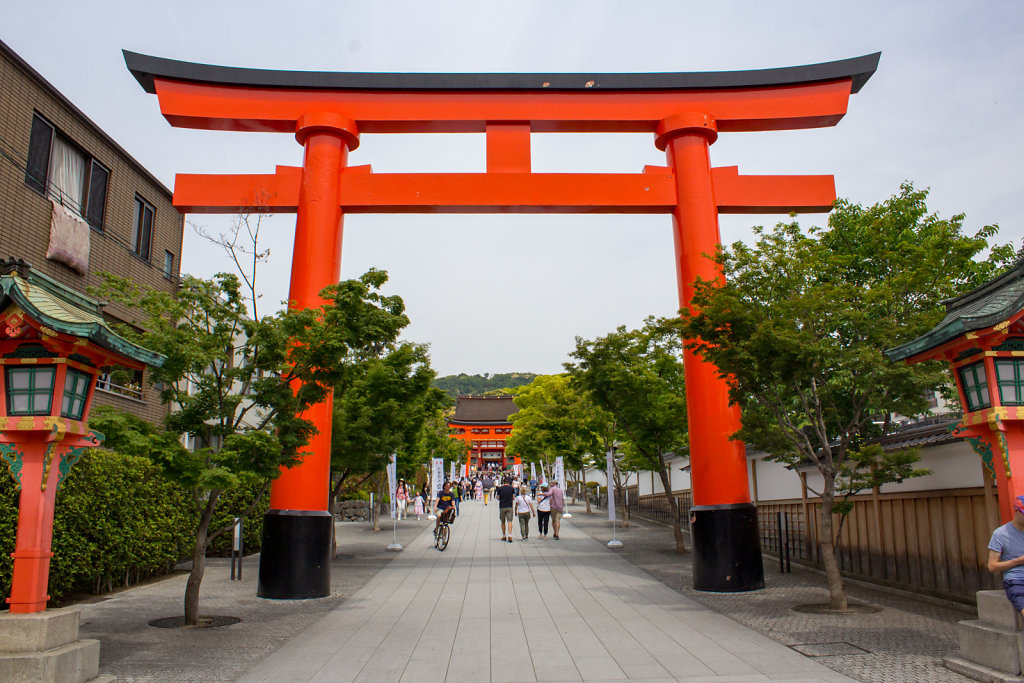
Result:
906,641
485,610
535,610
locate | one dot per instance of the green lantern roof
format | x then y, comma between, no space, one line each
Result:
64,310
988,305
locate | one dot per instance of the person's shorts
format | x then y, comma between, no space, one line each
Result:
505,515
1015,592
556,515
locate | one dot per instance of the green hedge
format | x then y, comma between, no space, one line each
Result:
117,522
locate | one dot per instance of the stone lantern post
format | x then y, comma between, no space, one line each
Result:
982,339
54,343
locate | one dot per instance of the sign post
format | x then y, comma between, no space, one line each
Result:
394,546
614,544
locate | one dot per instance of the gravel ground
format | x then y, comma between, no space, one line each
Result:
905,641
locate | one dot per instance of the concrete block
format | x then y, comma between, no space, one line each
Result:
39,631
979,672
73,663
990,645
995,609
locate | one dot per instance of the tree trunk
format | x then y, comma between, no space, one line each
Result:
836,591
673,509
195,577
586,498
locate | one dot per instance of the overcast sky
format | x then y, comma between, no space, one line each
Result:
509,293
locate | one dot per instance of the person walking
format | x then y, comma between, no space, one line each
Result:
543,511
557,507
401,499
457,495
479,490
524,509
488,485
418,507
506,500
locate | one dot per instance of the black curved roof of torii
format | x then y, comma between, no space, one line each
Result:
145,68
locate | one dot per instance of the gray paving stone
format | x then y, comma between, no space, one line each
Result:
532,611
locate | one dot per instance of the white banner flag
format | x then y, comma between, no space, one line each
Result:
437,477
533,471
451,471
559,473
611,486
393,484
517,470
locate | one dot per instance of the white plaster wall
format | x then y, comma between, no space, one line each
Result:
775,481
953,466
681,481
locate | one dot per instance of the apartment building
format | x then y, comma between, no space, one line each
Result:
74,203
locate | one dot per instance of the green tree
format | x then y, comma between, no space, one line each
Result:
556,419
799,326
381,408
238,384
637,377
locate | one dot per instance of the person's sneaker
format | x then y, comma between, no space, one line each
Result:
509,539
556,537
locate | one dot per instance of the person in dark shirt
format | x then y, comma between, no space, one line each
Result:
445,500
506,498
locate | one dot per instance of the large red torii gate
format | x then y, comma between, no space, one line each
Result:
327,112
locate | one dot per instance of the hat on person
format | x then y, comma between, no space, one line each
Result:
1018,504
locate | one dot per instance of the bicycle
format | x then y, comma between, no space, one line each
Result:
443,529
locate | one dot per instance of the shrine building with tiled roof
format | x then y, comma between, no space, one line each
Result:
482,422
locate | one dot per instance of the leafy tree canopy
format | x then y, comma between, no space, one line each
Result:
637,377
799,326
478,385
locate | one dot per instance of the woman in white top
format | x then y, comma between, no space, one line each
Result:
543,510
524,508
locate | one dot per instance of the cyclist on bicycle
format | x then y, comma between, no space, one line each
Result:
445,502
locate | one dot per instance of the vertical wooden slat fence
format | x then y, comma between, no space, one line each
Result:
933,542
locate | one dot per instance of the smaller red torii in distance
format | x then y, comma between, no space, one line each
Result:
685,112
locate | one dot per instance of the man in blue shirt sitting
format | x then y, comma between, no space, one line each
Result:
1006,555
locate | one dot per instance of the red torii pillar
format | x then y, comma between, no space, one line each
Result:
686,111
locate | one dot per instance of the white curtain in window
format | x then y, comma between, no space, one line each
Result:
67,175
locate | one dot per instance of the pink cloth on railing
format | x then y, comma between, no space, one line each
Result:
69,239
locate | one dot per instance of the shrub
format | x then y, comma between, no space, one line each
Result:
116,522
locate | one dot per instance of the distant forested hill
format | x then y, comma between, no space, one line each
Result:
463,384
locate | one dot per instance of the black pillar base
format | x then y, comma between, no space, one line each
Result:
726,548
295,562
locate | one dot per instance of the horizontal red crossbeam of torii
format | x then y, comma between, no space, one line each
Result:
361,191
508,110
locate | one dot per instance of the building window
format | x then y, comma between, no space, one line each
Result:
1008,373
972,378
58,169
168,265
76,390
142,228
30,389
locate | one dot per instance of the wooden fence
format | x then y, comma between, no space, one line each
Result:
932,542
